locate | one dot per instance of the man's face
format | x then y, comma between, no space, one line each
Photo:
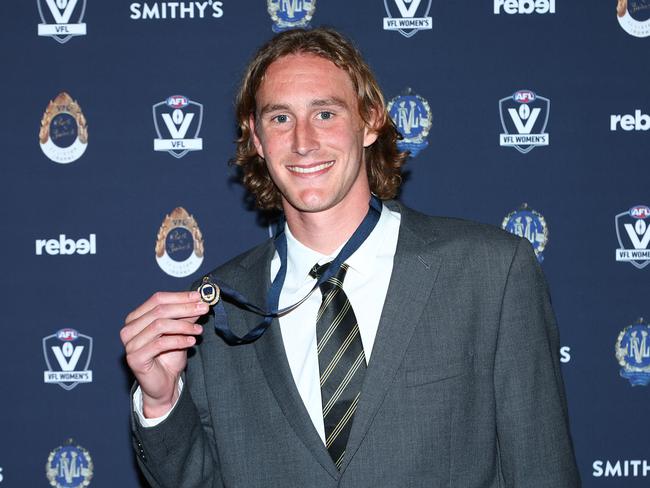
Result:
309,131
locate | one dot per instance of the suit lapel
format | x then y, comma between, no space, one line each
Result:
273,362
415,269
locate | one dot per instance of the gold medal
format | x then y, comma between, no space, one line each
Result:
209,292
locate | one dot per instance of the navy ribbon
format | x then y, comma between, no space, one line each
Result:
273,298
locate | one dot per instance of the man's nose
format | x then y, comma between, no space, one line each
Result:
305,138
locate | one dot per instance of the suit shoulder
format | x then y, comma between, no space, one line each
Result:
460,230
471,244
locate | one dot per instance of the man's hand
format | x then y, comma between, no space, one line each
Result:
156,336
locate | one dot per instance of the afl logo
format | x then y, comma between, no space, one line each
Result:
177,101
67,335
528,223
633,353
64,134
290,14
412,115
69,466
179,244
524,96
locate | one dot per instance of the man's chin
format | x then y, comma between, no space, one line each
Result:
310,203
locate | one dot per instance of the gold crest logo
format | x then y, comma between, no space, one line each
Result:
179,244
64,132
634,17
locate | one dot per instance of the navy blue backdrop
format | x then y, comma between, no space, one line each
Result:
117,130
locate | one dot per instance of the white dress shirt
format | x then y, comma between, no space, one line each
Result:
366,285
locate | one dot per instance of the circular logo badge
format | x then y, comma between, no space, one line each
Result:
290,15
528,223
69,466
633,353
412,115
634,17
64,133
179,244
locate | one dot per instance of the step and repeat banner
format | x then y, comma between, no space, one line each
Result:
118,127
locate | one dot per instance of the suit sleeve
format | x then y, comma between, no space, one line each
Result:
179,452
535,448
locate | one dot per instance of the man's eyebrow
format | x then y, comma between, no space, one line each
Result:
275,107
326,102
318,102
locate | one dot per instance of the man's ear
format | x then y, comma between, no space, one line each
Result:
370,128
256,139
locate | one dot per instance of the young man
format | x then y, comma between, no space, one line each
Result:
430,358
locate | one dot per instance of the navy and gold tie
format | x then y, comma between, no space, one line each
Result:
341,361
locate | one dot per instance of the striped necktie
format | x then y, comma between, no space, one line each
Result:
341,361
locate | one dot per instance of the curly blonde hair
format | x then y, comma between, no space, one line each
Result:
383,159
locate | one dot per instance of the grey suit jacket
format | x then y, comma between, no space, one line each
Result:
463,388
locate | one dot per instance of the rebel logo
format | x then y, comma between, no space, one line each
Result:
628,122
66,246
524,6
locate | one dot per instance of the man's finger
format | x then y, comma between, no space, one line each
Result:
161,327
138,360
163,311
162,298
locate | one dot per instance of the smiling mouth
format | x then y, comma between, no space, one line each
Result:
310,169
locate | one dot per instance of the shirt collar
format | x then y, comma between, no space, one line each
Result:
300,258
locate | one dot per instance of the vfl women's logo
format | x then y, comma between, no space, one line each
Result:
633,353
67,356
412,116
634,17
64,133
69,466
524,116
406,23
290,14
528,223
179,244
173,119
59,13
633,233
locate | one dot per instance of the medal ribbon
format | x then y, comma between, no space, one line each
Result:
273,298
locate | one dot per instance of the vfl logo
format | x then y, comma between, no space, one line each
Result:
633,353
179,244
178,116
69,466
633,233
412,115
524,116
59,13
71,352
634,17
407,23
290,14
528,223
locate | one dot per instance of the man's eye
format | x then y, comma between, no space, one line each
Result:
325,115
281,118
